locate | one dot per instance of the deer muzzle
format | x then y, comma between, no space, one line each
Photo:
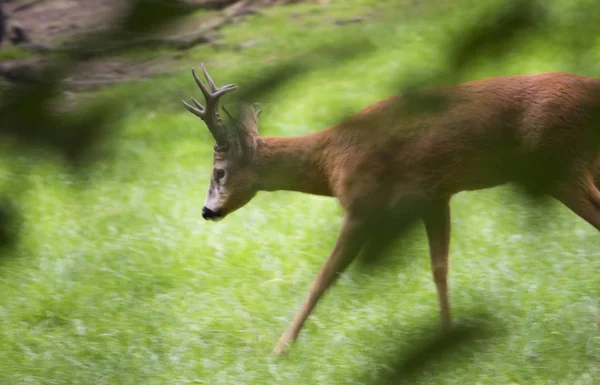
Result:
209,214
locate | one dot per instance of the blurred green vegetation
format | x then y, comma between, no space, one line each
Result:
9,52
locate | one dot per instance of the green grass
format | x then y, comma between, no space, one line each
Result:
9,52
120,281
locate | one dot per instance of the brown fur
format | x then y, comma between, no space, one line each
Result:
482,134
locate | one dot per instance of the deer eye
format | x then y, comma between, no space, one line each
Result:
219,174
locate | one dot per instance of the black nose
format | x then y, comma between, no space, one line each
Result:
208,213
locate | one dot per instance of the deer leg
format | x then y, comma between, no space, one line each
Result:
437,224
596,178
582,197
347,246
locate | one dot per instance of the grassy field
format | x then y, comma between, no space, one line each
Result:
119,280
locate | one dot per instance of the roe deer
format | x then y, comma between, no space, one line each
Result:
487,133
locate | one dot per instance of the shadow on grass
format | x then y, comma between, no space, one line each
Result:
10,226
435,347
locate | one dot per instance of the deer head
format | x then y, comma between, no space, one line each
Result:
233,181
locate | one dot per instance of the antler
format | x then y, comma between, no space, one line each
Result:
210,113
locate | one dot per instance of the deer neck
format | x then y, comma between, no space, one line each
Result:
293,164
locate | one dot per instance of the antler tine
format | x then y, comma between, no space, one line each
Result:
225,89
213,87
229,115
210,112
200,106
203,88
199,113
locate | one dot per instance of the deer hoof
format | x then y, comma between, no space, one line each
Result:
283,346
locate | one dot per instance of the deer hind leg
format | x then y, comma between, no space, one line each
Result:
582,197
596,175
348,244
437,224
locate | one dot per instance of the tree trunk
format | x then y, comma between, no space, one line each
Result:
2,25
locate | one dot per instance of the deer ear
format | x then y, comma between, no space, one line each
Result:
257,110
244,129
249,114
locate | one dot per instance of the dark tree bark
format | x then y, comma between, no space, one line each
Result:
19,35
2,25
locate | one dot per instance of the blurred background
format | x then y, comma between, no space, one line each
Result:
109,274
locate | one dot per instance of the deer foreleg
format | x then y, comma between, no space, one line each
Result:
581,196
348,245
437,224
